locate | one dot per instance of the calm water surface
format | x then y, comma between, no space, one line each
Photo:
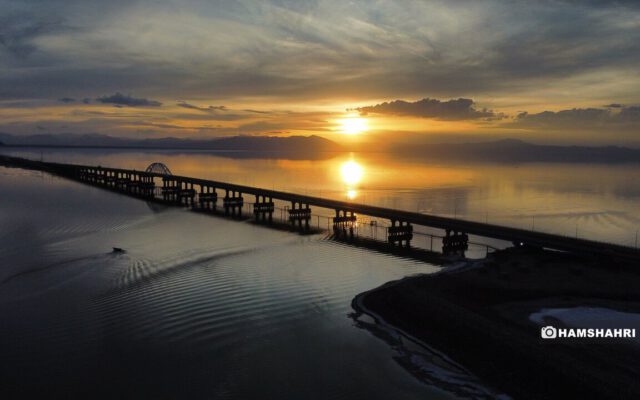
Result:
204,307
198,306
596,201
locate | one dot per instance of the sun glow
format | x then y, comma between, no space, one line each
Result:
353,125
352,172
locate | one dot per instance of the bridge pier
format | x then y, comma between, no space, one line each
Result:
100,176
122,180
299,215
147,185
343,222
186,193
169,190
140,184
82,174
233,204
110,179
133,186
90,175
207,198
97,176
94,175
455,243
263,209
402,233
86,174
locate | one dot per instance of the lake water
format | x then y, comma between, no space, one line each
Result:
206,307
595,201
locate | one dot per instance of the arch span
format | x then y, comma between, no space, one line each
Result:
158,168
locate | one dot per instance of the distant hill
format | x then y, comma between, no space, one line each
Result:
291,144
508,150
511,150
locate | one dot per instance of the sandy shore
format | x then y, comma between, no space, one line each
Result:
478,314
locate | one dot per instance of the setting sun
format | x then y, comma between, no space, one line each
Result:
353,125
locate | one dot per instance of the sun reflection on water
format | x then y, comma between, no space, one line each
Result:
352,173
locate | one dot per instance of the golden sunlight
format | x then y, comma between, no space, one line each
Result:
353,125
352,172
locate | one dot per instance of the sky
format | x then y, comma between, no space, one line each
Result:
393,71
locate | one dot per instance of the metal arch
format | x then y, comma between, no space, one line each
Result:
158,168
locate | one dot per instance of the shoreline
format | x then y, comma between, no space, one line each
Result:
484,327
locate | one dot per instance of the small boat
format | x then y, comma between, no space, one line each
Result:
118,250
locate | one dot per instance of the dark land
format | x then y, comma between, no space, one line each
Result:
512,150
289,144
478,315
500,151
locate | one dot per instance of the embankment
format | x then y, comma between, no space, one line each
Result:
479,316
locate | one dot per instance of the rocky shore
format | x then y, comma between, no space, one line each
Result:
478,313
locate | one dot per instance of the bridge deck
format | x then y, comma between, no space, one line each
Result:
535,238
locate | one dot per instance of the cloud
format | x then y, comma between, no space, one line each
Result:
306,55
119,99
316,50
601,119
630,114
257,111
20,29
212,113
458,109
204,109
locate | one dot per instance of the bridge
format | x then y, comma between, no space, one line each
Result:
202,194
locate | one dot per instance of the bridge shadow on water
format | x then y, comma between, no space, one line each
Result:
356,240
414,253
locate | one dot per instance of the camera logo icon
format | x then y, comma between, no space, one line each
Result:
548,332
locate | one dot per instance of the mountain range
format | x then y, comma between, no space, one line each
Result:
512,150
303,144
507,150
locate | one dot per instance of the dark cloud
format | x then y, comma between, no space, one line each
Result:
66,100
630,114
223,113
210,113
119,100
628,118
582,115
459,109
305,50
18,30
212,116
203,109
257,111
261,127
603,3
